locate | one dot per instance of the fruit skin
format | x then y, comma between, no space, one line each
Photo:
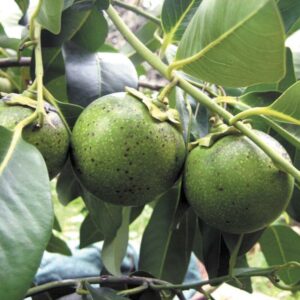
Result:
52,142
123,155
234,186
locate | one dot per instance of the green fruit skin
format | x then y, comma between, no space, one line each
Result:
234,186
122,155
52,142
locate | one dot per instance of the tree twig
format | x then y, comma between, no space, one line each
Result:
14,62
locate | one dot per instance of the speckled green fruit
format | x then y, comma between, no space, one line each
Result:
122,155
234,186
52,142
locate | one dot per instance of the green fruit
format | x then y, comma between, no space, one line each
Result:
234,186
52,142
122,155
5,85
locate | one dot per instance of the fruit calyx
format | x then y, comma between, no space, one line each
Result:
218,130
158,110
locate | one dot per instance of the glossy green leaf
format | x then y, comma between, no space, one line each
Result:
26,216
68,188
70,111
107,217
290,12
92,75
49,15
288,104
57,245
72,19
228,38
175,17
114,248
168,240
89,232
93,32
280,244
23,5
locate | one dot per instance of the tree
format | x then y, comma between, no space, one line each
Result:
228,73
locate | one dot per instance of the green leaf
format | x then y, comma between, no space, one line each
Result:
92,75
68,187
49,15
249,240
26,215
114,248
280,244
288,105
23,5
57,245
168,240
102,4
93,32
107,217
70,111
175,17
226,37
290,12
6,42
89,232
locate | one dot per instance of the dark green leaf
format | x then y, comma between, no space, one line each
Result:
92,75
23,4
89,232
280,244
68,188
72,20
49,15
26,216
226,37
93,32
104,293
107,217
56,225
290,12
175,17
114,248
70,111
168,239
102,4
249,240
57,245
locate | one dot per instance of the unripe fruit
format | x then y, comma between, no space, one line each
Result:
234,186
52,142
122,154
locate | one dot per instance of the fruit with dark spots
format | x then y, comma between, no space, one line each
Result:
234,186
136,166
52,142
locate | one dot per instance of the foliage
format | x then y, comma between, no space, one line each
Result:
229,72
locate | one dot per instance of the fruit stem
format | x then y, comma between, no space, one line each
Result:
200,96
233,258
163,95
49,97
39,74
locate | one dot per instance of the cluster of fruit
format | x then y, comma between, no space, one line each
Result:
124,156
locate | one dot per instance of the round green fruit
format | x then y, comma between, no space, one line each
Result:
234,186
51,141
123,155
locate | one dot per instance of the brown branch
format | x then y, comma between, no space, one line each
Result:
14,62
151,86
